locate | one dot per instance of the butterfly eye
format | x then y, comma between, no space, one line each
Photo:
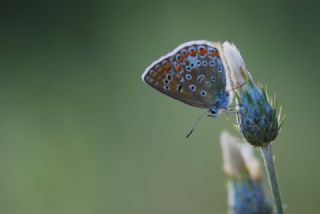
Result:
212,113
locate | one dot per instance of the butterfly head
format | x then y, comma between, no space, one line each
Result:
213,112
222,103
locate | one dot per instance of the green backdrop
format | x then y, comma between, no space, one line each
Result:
81,133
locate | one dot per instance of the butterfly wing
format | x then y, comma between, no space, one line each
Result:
193,73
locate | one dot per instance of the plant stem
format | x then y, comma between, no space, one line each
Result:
272,176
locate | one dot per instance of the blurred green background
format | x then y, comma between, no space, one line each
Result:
81,133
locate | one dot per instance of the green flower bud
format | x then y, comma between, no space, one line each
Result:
257,116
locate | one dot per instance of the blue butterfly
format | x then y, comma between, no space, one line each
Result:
193,73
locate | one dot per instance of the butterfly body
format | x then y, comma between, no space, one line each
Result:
194,73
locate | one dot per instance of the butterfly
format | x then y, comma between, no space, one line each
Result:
194,73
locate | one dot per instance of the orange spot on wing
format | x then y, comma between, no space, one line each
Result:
167,66
178,68
193,53
202,52
179,76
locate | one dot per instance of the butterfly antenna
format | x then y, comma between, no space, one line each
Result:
196,123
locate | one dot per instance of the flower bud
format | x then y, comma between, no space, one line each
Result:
245,192
256,115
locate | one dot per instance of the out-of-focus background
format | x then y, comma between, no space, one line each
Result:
81,133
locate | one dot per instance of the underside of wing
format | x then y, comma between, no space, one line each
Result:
193,73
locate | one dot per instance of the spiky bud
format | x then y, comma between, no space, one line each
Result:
256,113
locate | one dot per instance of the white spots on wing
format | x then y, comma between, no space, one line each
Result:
166,87
203,93
188,76
192,88
212,63
200,78
188,68
179,87
204,63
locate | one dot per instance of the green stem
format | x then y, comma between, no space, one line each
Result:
272,176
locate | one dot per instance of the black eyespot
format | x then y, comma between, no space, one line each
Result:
200,78
203,93
179,88
169,76
204,63
192,88
165,82
188,76
212,63
188,68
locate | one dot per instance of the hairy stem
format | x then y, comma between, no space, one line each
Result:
272,177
